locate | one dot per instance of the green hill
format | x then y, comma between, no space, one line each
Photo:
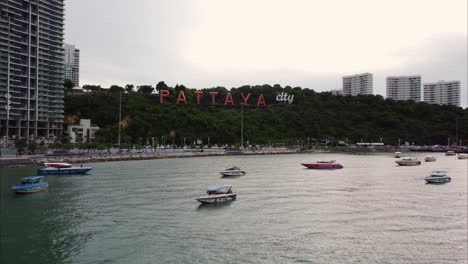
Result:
314,115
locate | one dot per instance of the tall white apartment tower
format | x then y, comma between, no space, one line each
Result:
31,68
72,64
357,84
442,92
404,88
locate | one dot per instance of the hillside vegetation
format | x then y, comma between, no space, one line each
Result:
311,115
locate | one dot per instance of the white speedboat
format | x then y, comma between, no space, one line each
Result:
397,154
234,171
430,159
462,156
408,161
217,194
438,177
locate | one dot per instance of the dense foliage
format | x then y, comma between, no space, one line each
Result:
312,115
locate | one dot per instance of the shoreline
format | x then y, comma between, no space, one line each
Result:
94,158
39,160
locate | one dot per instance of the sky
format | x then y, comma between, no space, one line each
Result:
306,43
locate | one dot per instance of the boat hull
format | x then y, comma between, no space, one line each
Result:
322,166
32,188
407,163
232,174
429,159
61,171
437,180
214,199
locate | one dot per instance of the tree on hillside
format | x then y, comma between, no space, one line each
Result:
145,89
115,89
129,88
68,84
161,86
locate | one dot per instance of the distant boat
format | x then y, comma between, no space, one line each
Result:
408,161
30,184
217,194
430,159
462,156
438,177
323,165
234,171
397,154
62,168
450,153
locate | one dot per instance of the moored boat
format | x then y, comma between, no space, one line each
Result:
397,154
438,177
408,161
217,194
462,156
450,153
323,164
62,168
30,184
234,171
430,159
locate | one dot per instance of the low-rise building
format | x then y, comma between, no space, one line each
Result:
85,132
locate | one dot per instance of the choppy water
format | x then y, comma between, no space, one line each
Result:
144,212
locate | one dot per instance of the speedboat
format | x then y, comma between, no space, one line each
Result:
30,184
462,156
438,177
430,159
217,194
397,154
323,164
62,168
234,171
408,161
450,153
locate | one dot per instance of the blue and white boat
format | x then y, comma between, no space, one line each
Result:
218,194
62,168
438,177
30,184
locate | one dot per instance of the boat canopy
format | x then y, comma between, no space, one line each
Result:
218,187
441,173
32,178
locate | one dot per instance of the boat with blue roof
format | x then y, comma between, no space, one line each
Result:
217,194
438,177
31,184
62,168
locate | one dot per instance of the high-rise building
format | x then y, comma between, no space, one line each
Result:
404,88
31,68
357,84
72,64
442,92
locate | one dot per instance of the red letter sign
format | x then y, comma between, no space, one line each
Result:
198,94
229,99
181,98
245,98
163,94
213,95
261,101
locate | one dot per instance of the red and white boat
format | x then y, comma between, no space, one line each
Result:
234,171
57,165
324,165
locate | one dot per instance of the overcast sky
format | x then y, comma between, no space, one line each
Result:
307,43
